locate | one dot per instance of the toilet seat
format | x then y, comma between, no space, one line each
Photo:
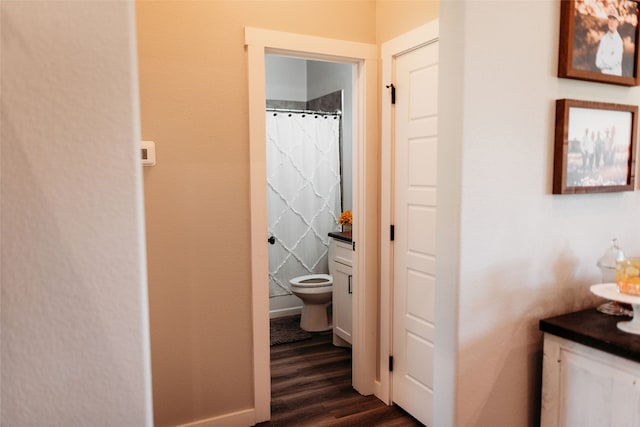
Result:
312,281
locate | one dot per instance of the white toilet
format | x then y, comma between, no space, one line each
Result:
315,291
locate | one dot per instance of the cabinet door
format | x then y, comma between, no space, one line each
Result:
585,387
342,294
596,393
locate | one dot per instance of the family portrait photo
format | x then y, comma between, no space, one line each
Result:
596,145
599,41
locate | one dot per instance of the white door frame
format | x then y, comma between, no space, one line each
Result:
258,43
404,43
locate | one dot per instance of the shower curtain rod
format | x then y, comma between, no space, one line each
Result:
288,110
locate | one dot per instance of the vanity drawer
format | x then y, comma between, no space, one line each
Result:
343,253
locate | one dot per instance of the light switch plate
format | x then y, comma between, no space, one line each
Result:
148,153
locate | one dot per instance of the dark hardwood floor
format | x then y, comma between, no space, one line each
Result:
311,386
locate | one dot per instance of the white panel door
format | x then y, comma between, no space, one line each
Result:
416,130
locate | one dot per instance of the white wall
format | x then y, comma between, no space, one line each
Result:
286,78
512,253
74,309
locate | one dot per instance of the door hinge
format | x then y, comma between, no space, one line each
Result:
353,245
393,93
392,232
390,363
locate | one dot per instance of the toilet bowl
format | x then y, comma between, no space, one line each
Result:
315,291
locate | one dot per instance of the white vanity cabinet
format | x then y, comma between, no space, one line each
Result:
340,268
587,385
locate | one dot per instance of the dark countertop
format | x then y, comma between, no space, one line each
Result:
345,236
596,330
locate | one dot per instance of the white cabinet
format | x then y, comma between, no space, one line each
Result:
583,386
340,268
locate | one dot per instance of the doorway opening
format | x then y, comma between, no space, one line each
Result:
361,57
309,142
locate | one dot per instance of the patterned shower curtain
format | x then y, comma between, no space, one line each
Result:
303,194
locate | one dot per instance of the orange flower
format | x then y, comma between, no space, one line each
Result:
345,218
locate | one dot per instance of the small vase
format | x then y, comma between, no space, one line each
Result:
346,227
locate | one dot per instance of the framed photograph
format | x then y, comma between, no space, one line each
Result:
599,41
594,147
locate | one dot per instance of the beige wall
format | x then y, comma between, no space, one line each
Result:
193,89
395,17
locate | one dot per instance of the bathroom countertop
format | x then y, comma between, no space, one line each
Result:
595,329
345,236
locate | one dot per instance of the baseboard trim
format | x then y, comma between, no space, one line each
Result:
240,418
379,392
284,312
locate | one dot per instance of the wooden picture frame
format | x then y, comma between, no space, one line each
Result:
599,41
594,147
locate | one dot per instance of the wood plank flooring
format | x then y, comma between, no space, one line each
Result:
311,386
